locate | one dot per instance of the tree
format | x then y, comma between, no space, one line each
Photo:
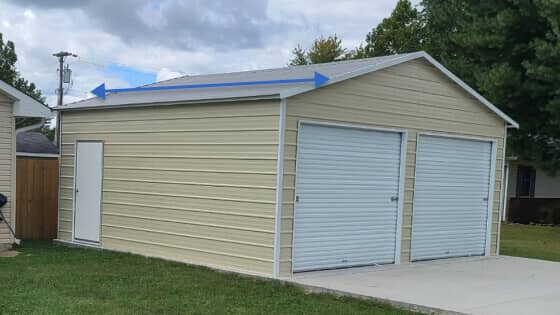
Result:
401,32
323,50
300,57
509,50
8,60
10,75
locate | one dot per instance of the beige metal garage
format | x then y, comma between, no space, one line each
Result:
280,178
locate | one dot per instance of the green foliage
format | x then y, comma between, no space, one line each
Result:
323,50
10,75
401,32
300,57
508,50
8,60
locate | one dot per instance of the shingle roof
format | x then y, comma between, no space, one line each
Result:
34,142
335,71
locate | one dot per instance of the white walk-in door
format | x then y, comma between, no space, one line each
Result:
451,197
347,188
87,190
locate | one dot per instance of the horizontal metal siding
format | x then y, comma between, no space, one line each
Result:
450,198
345,180
7,165
413,96
193,183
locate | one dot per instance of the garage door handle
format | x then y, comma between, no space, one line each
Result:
394,198
297,198
485,199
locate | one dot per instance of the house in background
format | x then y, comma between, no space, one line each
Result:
532,195
35,144
13,103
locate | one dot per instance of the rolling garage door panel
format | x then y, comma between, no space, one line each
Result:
450,197
344,215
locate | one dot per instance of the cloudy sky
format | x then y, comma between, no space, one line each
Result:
133,42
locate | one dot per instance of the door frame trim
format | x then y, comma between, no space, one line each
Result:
491,184
402,176
74,239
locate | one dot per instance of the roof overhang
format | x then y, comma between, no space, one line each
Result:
24,106
198,101
402,59
292,91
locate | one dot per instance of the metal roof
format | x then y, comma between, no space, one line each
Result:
335,71
24,105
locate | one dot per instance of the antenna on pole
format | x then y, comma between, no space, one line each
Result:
63,73
63,77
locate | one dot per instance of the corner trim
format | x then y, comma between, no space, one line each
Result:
279,187
503,192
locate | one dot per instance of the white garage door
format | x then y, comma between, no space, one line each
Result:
347,188
451,197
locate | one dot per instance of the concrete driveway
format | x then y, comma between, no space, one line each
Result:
482,285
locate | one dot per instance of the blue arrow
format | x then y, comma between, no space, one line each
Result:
318,79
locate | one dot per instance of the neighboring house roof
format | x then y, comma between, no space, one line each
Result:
335,71
34,142
24,105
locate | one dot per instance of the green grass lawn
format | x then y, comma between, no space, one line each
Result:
532,241
49,279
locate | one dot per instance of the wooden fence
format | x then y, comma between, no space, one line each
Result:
37,198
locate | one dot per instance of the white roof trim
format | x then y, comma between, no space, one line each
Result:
25,106
199,101
402,59
45,155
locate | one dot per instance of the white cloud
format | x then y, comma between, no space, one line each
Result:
39,30
166,74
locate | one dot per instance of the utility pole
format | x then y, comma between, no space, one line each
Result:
61,57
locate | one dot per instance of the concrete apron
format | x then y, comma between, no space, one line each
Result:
398,304
475,285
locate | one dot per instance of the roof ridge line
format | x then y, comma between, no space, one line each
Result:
345,61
